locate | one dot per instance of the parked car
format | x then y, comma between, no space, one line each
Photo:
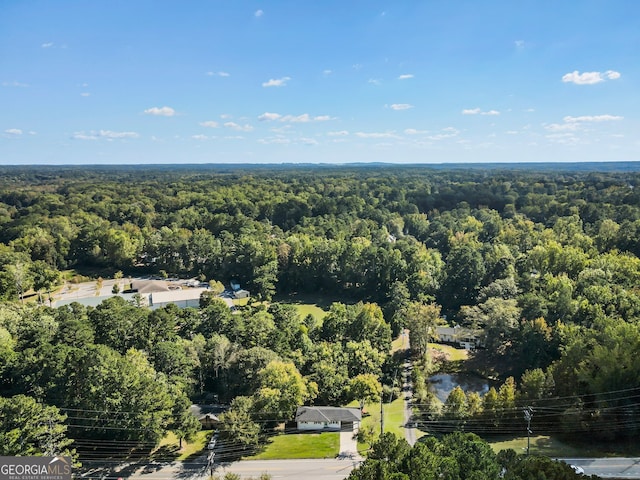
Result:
577,469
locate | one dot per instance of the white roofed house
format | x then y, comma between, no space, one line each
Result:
464,337
189,297
328,418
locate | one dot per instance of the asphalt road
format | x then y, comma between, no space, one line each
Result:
608,467
328,469
331,469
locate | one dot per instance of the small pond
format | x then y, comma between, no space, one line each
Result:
443,383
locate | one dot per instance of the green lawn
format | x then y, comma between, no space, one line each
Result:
554,447
169,446
541,444
393,419
301,445
452,354
305,309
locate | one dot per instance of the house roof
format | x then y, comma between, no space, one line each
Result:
177,295
149,286
446,330
203,411
94,301
328,414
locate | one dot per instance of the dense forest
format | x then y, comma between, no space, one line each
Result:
544,262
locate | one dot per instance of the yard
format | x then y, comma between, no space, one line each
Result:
169,447
393,420
300,445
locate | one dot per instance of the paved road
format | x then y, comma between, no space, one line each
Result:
294,469
407,391
330,469
608,467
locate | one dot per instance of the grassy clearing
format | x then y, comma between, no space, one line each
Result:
554,447
322,301
452,354
305,309
393,419
170,445
301,445
540,445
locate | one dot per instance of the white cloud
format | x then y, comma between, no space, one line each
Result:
225,116
374,81
237,127
449,132
268,116
47,45
401,106
302,118
111,134
413,131
85,94
199,137
309,141
13,131
277,82
15,84
327,72
210,124
282,129
84,136
258,13
592,118
218,74
356,66
589,78
376,135
573,124
519,44
276,140
561,127
340,133
477,111
564,138
405,76
104,134
161,111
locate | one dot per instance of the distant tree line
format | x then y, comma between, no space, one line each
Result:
544,262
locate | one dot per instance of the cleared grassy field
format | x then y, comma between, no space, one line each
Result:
301,445
540,445
170,446
393,419
452,354
305,309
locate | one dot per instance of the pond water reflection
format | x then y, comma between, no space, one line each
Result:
443,383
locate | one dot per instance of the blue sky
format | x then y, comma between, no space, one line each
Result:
230,81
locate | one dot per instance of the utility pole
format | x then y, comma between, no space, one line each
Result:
381,414
528,415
